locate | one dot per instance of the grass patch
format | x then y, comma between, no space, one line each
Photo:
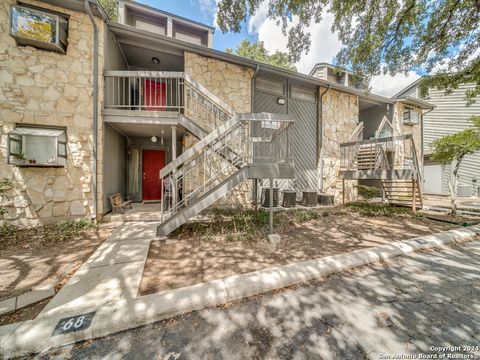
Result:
43,236
375,209
244,225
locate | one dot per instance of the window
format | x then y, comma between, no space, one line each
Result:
301,93
38,28
410,116
188,38
269,85
149,26
36,146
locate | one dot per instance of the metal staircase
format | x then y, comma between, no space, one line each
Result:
237,147
392,160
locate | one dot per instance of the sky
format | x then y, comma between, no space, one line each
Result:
325,44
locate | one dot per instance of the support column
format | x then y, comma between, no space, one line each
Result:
174,156
174,142
414,200
271,206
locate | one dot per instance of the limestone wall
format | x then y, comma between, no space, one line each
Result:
46,88
339,119
230,82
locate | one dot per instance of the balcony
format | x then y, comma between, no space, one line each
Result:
144,93
379,158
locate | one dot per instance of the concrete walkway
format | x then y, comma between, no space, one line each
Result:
416,305
113,272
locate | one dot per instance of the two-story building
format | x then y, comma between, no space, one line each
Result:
146,108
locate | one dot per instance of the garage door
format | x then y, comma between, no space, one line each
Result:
433,179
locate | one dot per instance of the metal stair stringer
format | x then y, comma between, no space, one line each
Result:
203,202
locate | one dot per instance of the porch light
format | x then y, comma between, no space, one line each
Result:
155,60
161,139
154,139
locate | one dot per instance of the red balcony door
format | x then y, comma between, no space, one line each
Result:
155,95
153,162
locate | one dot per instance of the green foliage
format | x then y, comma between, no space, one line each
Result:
458,145
368,192
382,36
373,209
110,7
256,51
244,225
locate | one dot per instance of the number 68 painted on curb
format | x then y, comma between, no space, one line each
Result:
74,323
77,324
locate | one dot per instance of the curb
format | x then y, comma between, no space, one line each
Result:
15,303
36,335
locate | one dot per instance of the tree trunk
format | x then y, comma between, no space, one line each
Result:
453,186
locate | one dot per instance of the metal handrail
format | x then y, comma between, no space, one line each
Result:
378,140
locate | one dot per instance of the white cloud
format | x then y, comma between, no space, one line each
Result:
388,85
325,44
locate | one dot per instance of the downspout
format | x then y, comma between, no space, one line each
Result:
320,135
255,181
95,108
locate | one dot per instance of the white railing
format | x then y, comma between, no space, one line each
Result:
387,153
144,90
165,91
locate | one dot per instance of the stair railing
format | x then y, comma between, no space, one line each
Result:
253,138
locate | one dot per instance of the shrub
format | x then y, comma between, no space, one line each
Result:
368,192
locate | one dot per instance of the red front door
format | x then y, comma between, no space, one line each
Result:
153,161
155,95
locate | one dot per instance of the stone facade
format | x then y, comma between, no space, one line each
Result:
232,84
41,87
339,119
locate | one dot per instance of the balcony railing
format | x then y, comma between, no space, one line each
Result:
144,90
387,153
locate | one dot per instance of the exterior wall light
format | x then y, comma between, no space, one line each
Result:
281,101
154,139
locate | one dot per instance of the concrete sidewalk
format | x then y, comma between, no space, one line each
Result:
108,284
112,273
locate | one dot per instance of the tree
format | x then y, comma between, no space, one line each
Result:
452,149
257,51
110,7
382,36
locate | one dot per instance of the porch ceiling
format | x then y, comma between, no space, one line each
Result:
147,130
141,57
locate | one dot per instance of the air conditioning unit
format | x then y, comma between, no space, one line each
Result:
266,197
289,198
310,198
31,26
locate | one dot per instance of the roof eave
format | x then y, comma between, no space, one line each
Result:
127,30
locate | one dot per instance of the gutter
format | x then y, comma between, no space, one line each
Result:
320,134
95,108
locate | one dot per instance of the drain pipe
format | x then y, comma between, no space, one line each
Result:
320,135
95,108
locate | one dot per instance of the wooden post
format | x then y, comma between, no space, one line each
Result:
414,201
343,191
